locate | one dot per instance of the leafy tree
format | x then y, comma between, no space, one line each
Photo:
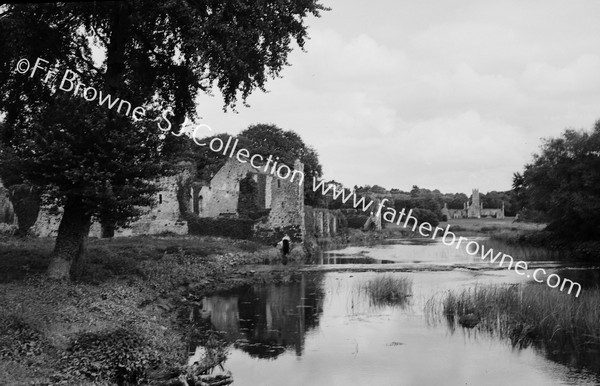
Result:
286,147
456,201
327,201
426,215
92,160
563,181
378,189
207,162
518,191
414,192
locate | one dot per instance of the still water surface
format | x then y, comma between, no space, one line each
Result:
324,330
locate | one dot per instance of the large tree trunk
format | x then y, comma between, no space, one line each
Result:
70,241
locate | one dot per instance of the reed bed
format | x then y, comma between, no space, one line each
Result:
527,313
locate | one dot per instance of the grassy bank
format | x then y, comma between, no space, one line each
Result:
523,234
489,226
528,314
121,320
587,249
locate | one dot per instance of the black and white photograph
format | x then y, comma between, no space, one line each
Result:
300,192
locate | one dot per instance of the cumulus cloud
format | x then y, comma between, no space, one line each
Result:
444,95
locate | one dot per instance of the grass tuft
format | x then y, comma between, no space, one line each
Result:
388,289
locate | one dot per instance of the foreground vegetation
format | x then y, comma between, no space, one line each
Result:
387,289
123,319
527,314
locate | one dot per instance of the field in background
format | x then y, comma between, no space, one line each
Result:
477,226
491,225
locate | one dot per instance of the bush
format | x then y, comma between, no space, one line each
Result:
237,228
425,215
249,246
356,221
530,215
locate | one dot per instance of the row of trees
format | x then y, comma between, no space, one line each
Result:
429,202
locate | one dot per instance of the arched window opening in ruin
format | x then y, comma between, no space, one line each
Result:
248,199
160,198
199,206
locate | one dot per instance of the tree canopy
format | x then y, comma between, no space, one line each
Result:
287,146
563,181
96,162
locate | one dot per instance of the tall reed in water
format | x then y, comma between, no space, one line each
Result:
529,313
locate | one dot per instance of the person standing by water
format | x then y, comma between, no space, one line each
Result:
285,245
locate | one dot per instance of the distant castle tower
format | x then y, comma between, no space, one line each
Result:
474,209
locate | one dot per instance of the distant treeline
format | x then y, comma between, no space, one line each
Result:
428,202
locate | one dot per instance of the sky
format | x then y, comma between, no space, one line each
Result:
443,94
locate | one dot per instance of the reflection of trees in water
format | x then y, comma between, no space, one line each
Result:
265,320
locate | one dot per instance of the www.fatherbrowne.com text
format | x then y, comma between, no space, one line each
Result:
472,247
69,83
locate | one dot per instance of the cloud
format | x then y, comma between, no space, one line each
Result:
443,95
335,59
577,79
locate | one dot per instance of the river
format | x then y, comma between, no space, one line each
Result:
323,330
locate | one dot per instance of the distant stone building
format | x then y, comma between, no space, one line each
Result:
474,209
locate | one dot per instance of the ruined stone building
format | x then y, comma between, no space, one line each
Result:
163,217
280,201
474,209
237,190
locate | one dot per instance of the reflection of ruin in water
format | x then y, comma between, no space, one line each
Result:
266,320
